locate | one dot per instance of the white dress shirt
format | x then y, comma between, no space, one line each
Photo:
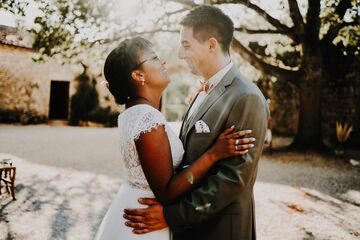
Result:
213,81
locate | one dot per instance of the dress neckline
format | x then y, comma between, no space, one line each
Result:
137,106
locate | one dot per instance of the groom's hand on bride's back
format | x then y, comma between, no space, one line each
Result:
145,220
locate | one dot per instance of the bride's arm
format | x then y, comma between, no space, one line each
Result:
156,161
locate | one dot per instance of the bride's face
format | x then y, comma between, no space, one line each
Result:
154,70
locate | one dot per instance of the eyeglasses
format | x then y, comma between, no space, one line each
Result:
153,58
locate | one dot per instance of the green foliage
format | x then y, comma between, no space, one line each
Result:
176,105
19,116
84,104
84,101
348,40
105,116
67,28
343,19
14,6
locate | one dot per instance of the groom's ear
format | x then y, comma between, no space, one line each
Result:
213,44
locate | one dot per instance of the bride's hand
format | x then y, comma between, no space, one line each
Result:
231,144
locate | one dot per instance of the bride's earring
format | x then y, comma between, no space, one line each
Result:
142,81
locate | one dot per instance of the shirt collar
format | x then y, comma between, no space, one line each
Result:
216,78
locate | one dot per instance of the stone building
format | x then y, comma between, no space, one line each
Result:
28,87
37,90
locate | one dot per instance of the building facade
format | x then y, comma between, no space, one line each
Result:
37,90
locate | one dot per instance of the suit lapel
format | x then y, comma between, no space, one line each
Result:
185,122
209,101
206,104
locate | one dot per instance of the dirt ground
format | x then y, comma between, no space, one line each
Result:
67,177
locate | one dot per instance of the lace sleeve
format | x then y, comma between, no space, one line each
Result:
149,119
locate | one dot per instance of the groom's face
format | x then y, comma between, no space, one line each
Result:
195,53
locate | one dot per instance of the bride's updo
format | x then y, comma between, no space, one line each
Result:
119,65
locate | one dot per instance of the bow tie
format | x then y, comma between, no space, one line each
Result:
205,86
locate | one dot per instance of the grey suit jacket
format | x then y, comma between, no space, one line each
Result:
222,205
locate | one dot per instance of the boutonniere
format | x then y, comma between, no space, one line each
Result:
200,88
189,99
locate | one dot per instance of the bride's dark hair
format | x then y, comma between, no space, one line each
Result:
119,65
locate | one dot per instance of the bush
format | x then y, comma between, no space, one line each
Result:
84,104
84,101
25,118
104,116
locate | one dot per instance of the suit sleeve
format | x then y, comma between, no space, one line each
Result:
230,176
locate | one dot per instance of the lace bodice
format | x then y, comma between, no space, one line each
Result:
132,123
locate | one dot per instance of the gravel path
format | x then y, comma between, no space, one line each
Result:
67,177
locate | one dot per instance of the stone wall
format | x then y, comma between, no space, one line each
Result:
24,84
284,105
341,98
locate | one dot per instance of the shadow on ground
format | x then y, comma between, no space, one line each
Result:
55,203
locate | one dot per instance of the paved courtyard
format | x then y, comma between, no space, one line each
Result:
67,177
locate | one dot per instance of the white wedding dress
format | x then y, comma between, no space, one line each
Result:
133,122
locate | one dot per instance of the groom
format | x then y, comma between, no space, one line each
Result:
222,205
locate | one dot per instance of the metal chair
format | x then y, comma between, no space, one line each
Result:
7,176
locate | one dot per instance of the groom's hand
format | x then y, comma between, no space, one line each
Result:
145,220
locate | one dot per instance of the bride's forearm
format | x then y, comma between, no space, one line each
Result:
187,179
154,153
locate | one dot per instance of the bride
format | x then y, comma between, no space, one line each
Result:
149,149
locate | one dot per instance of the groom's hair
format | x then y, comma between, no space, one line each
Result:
208,21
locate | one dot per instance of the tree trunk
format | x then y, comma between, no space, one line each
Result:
309,134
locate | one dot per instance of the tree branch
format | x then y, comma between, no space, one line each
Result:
296,16
340,10
175,12
334,30
313,23
156,31
169,14
342,7
273,21
280,27
260,31
130,34
187,3
260,64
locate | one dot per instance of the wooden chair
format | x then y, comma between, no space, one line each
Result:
7,176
